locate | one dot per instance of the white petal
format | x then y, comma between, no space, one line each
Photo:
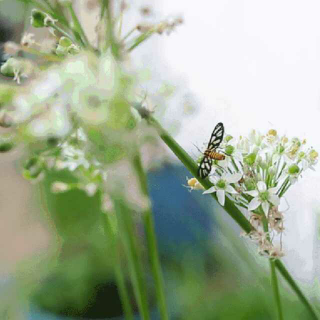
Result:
224,163
231,190
221,196
254,204
253,193
233,178
262,186
213,179
275,200
265,207
273,190
210,190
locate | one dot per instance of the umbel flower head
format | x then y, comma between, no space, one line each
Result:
256,173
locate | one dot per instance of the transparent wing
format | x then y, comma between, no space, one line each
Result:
216,136
205,167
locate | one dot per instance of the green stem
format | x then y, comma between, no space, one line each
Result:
78,30
113,239
274,279
129,34
151,241
142,38
132,250
275,287
286,275
229,207
54,26
47,2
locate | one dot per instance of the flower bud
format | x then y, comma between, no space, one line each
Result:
280,149
229,150
61,51
9,67
73,49
250,184
6,144
5,120
32,168
293,169
228,138
37,18
65,42
250,159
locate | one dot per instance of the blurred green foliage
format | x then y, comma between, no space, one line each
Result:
82,261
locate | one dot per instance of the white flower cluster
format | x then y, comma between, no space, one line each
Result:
256,173
71,155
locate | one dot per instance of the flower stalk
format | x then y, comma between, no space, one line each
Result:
114,240
78,30
275,288
151,241
126,226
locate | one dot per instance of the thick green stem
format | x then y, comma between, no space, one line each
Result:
151,241
229,207
286,275
275,287
113,239
128,235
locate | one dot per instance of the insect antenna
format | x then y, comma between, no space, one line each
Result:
198,148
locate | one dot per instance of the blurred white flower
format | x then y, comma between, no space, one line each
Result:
58,187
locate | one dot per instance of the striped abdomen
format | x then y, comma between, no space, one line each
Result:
214,155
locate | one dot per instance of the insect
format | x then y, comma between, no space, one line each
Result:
211,153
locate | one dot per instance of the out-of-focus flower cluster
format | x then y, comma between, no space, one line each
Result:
257,172
71,105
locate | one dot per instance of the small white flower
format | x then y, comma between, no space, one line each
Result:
263,196
58,187
308,159
222,185
255,138
71,158
293,149
90,189
271,138
243,145
27,40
